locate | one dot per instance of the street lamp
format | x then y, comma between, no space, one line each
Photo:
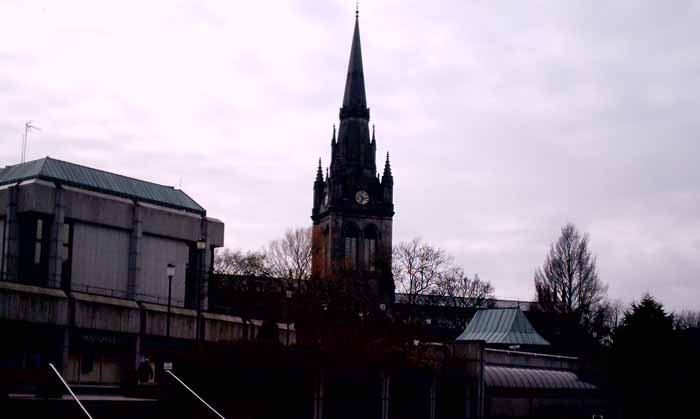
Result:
170,270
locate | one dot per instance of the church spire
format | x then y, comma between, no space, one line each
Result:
355,99
319,172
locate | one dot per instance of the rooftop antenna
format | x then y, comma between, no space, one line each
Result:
357,9
27,126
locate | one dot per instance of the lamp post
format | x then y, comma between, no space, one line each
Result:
170,270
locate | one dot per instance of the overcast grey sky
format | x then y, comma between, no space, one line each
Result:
504,119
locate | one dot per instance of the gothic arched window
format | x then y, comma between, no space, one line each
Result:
352,237
369,247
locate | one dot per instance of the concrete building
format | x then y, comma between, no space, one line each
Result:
83,269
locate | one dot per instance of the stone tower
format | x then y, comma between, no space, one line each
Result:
353,206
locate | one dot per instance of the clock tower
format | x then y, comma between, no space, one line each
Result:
353,205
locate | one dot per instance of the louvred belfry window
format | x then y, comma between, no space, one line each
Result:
370,247
351,251
351,243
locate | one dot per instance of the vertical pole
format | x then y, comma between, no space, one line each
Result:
433,394
56,240
135,239
24,142
167,322
199,329
11,251
318,396
386,382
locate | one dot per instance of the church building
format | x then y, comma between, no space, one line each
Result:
353,205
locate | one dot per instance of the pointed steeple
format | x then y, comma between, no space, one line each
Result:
333,139
374,141
355,99
387,171
319,172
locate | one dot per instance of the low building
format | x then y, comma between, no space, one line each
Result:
520,381
85,284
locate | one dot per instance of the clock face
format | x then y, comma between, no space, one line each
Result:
362,197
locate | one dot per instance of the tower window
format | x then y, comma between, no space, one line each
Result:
369,247
351,251
352,236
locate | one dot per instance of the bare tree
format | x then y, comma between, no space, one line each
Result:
237,262
568,281
290,256
686,319
606,317
465,291
418,267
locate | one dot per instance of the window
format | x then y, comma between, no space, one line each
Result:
33,248
369,246
66,255
37,242
370,252
351,235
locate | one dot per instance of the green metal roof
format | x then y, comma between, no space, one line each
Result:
533,378
71,174
507,326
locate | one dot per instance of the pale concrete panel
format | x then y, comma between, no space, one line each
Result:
37,197
33,304
97,208
182,321
222,328
171,223
156,254
105,313
100,259
215,232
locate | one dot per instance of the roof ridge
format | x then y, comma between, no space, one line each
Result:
43,163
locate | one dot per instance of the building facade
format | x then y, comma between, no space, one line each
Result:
352,205
84,273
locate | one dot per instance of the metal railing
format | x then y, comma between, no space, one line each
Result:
70,391
104,292
116,293
195,394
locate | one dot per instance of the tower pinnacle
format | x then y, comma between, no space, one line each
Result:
387,177
319,172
